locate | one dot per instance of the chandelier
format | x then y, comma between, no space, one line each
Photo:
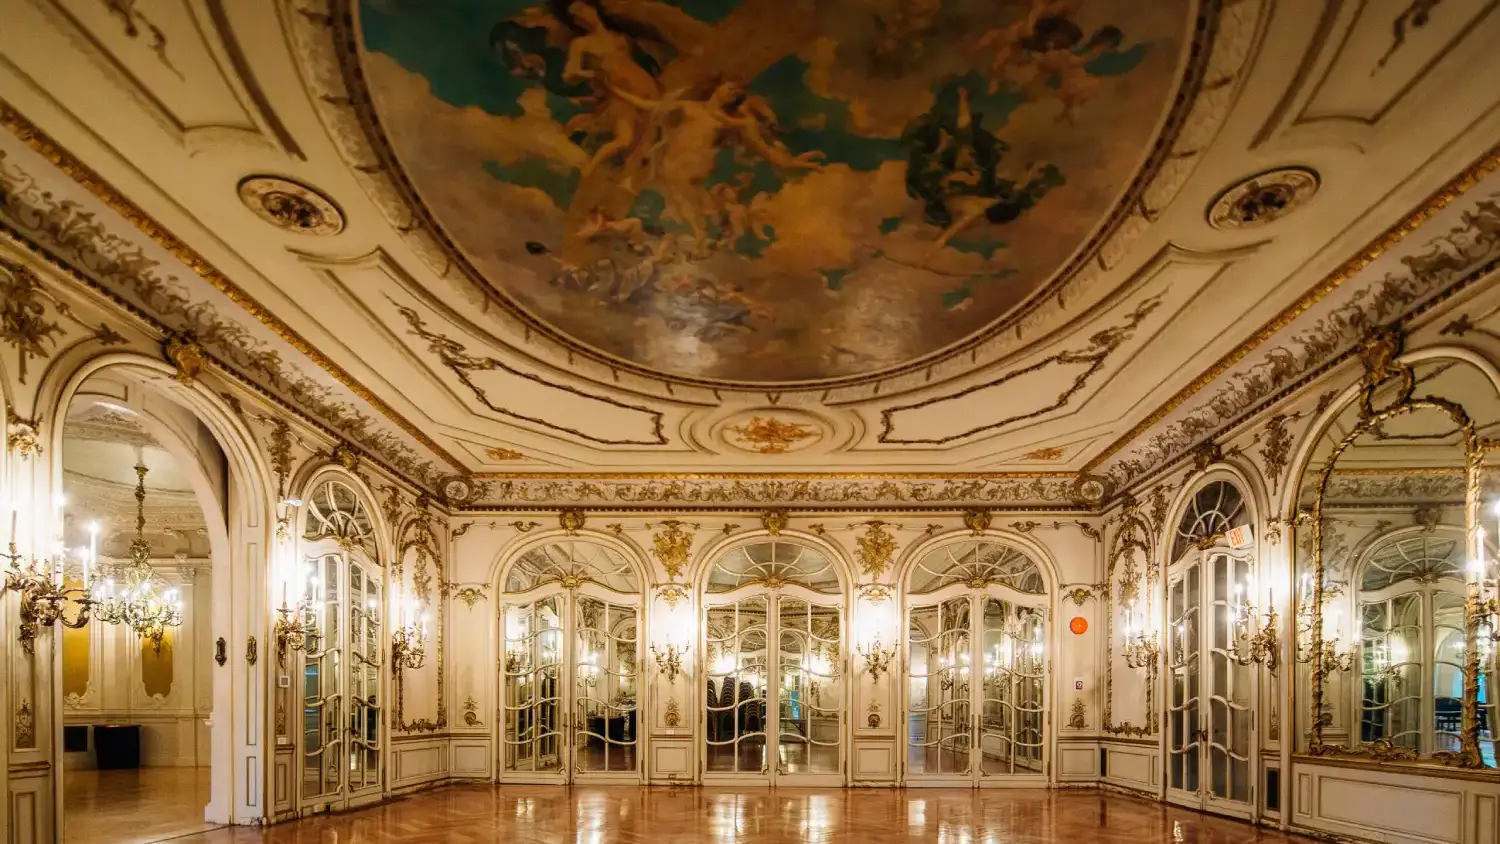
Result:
145,603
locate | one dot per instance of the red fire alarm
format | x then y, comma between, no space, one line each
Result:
1079,625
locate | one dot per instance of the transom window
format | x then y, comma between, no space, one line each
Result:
335,511
977,563
572,563
1427,558
1212,512
774,563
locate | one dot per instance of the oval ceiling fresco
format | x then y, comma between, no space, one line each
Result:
770,190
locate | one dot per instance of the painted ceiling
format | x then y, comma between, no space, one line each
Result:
1180,212
752,191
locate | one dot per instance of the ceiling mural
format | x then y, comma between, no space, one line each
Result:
726,190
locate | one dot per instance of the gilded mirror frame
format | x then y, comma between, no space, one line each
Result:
1379,353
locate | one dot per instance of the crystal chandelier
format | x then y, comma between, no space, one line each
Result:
145,603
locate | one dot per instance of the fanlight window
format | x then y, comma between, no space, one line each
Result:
335,511
1424,559
573,563
774,563
977,563
1213,512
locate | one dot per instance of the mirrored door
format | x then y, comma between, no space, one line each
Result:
939,726
1209,694
794,691
342,741
569,680
976,690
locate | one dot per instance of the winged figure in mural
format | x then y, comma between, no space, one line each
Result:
955,169
1045,55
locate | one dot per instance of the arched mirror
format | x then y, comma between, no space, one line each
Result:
342,661
570,617
977,624
775,663
1386,547
1210,692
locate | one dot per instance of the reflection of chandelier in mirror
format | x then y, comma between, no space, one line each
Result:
1484,589
146,604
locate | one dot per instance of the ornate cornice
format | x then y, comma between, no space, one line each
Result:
334,415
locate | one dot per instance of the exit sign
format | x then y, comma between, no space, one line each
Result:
1240,537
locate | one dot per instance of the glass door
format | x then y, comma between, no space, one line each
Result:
342,672
569,680
804,706
1209,719
976,690
939,726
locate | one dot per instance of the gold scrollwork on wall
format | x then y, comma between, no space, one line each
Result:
672,546
1386,400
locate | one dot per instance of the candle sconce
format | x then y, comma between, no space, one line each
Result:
44,597
295,630
877,658
409,647
1140,650
1247,644
669,661
1333,658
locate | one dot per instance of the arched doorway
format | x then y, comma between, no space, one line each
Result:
1209,697
341,669
570,619
977,621
774,661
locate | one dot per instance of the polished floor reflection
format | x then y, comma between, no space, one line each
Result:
617,815
135,806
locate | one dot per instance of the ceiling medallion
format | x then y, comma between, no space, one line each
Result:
1263,199
291,205
771,432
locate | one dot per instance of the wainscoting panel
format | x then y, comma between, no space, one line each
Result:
1077,761
418,763
1136,766
874,761
471,758
30,820
671,760
1382,803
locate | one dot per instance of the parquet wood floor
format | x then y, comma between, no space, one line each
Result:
627,815
133,807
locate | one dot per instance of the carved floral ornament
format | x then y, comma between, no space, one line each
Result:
875,548
672,546
774,520
571,520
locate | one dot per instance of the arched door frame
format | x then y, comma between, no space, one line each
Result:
1253,496
308,481
500,570
698,577
237,738
1040,556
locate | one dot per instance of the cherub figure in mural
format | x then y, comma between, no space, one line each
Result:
610,62
954,167
599,225
692,133
733,215
1046,56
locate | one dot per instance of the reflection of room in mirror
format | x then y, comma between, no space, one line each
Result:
1392,567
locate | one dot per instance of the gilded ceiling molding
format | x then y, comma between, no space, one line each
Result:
1263,199
1223,43
82,236
453,355
1050,490
1101,345
1282,366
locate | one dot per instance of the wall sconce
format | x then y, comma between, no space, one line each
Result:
669,661
1333,658
1140,650
877,658
44,597
409,641
1246,644
296,628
